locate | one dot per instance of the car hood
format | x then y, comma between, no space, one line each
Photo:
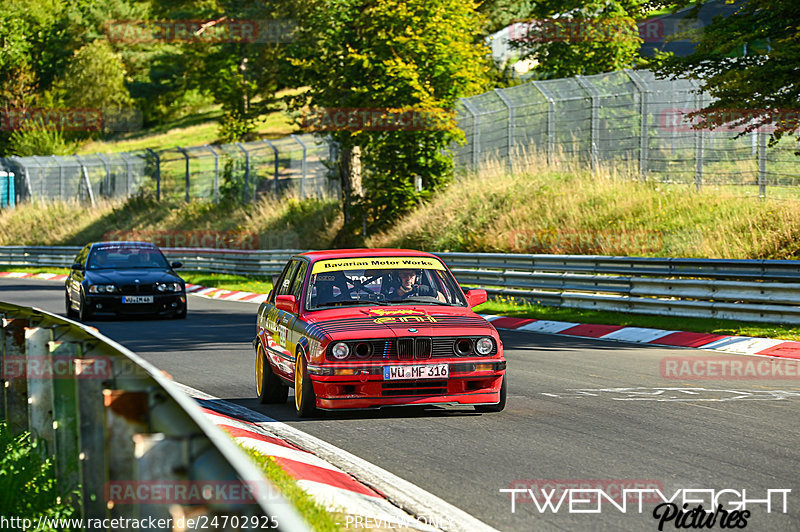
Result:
395,321
144,276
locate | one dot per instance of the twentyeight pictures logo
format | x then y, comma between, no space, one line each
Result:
681,508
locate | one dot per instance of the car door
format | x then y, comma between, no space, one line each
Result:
76,277
276,324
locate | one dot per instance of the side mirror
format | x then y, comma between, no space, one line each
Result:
77,267
269,296
287,303
476,297
177,264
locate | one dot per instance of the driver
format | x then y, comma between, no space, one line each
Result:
409,287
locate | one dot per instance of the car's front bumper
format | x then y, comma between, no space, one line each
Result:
464,386
112,305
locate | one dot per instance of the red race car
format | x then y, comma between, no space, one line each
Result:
371,328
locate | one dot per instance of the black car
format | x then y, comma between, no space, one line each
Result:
124,278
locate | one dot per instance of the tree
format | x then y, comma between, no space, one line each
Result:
580,37
412,56
749,63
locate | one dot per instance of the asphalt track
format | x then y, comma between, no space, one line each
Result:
580,412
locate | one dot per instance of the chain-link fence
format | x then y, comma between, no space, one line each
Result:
623,119
295,163
626,118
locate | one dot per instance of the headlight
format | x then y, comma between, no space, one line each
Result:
340,350
168,287
484,345
102,289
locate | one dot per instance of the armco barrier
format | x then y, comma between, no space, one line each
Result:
136,445
751,290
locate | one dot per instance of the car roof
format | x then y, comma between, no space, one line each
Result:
363,252
127,243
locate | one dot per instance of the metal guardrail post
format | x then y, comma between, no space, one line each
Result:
157,157
246,173
551,120
476,132
643,140
187,183
66,422
40,390
15,390
303,165
275,172
511,119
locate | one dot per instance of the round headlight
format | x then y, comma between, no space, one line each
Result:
340,350
484,345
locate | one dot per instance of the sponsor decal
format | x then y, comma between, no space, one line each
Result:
395,312
366,263
405,319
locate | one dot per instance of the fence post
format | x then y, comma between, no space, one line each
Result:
15,388
85,174
216,172
476,132
643,113
303,165
60,177
107,166
762,163
551,121
158,172
594,128
699,140
275,151
186,156
246,173
40,387
128,174
511,119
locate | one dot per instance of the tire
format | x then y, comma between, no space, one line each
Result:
84,314
269,387
71,314
305,402
498,407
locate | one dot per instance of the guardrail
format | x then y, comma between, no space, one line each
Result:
751,290
135,444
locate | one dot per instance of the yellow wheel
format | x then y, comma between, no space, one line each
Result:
305,402
269,387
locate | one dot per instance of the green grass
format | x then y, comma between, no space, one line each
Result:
227,281
517,309
315,515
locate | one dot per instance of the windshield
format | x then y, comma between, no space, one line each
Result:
121,257
408,280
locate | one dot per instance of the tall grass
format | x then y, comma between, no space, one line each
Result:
567,208
285,222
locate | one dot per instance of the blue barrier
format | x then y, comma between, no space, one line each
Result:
7,193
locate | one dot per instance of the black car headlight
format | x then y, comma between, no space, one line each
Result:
102,289
169,287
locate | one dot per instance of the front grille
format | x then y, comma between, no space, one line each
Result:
137,288
410,348
424,388
405,348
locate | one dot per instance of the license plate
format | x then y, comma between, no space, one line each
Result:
137,299
428,371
